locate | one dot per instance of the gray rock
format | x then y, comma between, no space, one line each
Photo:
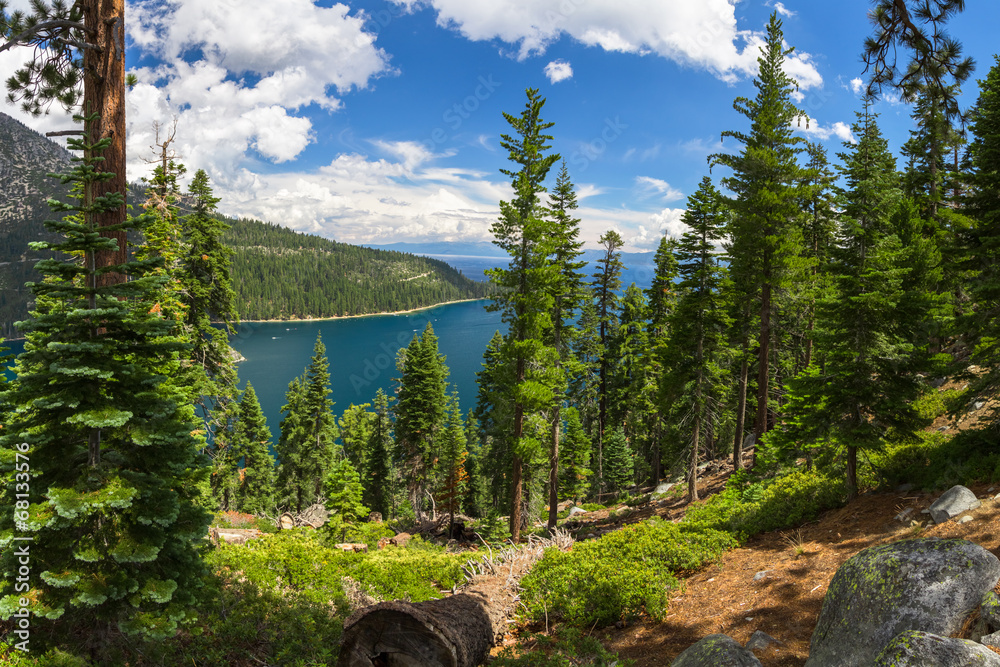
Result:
576,510
904,515
664,488
979,405
991,640
760,575
953,502
760,639
989,610
965,519
716,651
914,648
923,584
905,488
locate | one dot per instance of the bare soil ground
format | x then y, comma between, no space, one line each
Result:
777,580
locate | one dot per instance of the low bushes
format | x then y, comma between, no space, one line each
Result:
620,575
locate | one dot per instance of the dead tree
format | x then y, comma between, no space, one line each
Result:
455,631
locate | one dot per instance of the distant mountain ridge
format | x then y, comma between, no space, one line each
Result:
277,273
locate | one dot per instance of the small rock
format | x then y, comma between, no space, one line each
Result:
716,651
996,497
925,511
590,536
944,428
748,619
576,510
905,488
991,640
965,519
953,502
991,489
979,405
760,575
904,515
664,488
760,639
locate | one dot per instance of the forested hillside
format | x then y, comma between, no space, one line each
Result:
278,273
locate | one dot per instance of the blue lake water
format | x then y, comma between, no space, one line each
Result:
362,353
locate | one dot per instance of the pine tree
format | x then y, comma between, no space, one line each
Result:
818,230
567,293
524,298
252,440
662,298
697,332
982,203
355,429
343,491
494,410
619,465
607,282
764,242
868,381
452,456
113,512
574,462
475,500
308,431
379,482
420,413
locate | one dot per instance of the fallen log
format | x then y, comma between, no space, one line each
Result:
454,631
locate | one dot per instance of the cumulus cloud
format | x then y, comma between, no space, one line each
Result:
781,9
857,85
812,128
239,92
558,70
649,186
702,34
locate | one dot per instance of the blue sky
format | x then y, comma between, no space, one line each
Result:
378,121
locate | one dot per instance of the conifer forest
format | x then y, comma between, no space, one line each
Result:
798,330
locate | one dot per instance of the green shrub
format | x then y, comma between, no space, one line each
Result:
361,532
934,461
747,508
619,575
592,507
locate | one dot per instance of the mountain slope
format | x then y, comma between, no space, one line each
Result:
277,273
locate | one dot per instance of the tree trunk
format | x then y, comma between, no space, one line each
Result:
104,94
852,472
554,472
764,364
741,410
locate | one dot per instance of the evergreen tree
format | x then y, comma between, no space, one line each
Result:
697,332
252,439
475,500
380,477
819,227
764,242
574,458
494,410
662,298
308,432
420,413
343,491
355,430
112,509
452,456
868,381
982,203
619,464
607,282
634,383
567,292
524,298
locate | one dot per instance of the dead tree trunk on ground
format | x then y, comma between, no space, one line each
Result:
455,631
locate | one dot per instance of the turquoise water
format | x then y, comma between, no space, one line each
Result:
362,353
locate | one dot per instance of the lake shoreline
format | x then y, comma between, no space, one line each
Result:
350,317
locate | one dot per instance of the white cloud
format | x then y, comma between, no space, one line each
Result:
558,70
811,128
238,93
781,9
696,34
654,186
857,85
